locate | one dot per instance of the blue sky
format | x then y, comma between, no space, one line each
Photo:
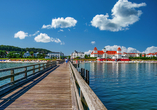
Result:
76,23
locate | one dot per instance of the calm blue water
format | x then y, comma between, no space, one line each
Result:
124,86
11,65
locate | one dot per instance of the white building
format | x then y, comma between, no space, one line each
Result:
77,54
131,54
106,54
151,54
35,54
27,54
54,55
116,54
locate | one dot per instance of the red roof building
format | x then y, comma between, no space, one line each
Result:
105,54
95,48
119,49
111,52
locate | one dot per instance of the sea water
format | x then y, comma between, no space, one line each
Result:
12,65
122,86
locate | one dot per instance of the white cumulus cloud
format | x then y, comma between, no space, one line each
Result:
123,49
20,35
123,15
151,49
34,33
42,37
88,52
92,42
61,23
56,40
61,30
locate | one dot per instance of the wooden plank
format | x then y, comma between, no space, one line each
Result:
52,92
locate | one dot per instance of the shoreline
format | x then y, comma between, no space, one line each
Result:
115,61
33,61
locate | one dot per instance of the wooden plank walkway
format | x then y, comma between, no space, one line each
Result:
52,90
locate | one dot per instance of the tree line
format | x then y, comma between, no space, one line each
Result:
144,58
16,52
18,49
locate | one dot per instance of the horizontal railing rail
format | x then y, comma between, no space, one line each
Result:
86,96
59,61
13,77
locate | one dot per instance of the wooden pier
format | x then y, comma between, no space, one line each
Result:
54,89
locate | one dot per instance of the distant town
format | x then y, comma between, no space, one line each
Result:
16,52
99,55
104,54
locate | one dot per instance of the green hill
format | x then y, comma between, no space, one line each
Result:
18,49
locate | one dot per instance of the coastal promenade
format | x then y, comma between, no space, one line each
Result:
51,90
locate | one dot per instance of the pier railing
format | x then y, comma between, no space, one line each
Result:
13,77
59,61
85,97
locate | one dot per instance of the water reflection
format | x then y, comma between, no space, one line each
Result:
122,85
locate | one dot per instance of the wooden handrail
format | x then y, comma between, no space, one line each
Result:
40,67
7,69
90,97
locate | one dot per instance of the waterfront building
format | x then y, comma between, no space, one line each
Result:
27,54
151,54
112,54
106,54
131,54
35,54
77,54
54,55
143,55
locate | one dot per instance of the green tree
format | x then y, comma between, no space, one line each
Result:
86,56
32,53
10,55
23,53
1,53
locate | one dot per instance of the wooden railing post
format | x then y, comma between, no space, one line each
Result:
47,65
87,77
43,66
25,72
81,95
39,67
78,65
33,68
50,64
12,78
81,71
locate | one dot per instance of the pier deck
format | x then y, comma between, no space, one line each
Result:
52,90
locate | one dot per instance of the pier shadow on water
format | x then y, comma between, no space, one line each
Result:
5,100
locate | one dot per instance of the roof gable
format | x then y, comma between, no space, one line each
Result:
111,52
95,48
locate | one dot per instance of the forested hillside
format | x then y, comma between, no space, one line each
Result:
18,49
